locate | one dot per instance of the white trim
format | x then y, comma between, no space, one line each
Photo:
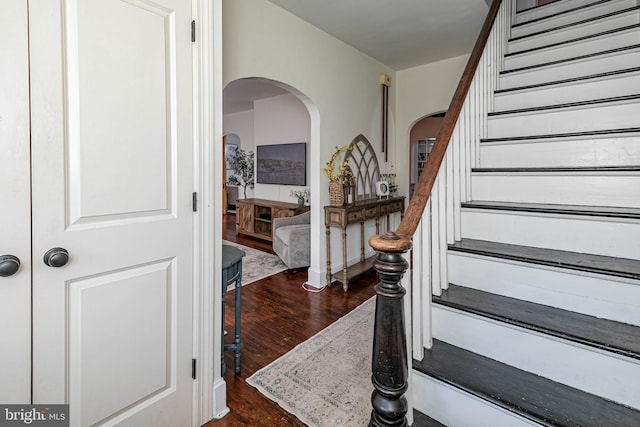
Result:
210,388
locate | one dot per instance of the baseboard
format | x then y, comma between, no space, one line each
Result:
220,408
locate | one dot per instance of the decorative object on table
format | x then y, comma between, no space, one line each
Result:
301,195
340,177
365,171
390,179
326,380
382,189
242,163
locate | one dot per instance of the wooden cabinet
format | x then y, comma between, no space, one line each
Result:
254,216
359,212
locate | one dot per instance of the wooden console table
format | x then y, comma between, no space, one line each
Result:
254,216
361,211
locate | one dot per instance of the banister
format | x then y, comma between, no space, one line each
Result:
425,183
390,365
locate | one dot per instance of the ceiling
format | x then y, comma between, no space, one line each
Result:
399,33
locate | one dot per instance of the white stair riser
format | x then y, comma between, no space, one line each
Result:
593,235
601,296
570,50
614,189
597,372
571,33
572,69
622,151
569,18
607,87
549,9
453,407
605,116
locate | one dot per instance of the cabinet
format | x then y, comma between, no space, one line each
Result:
254,216
359,212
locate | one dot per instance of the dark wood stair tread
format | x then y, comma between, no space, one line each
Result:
531,396
574,24
545,108
564,12
422,420
567,135
599,264
572,59
606,335
593,211
615,73
562,169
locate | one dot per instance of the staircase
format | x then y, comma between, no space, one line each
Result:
538,322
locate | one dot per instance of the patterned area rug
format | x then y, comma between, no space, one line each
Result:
256,264
326,380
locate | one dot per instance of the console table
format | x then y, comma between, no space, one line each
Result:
360,211
254,216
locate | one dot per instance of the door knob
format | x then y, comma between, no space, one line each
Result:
56,257
9,265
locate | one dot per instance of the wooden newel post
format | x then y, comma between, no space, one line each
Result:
389,366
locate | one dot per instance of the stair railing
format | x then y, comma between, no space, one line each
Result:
431,222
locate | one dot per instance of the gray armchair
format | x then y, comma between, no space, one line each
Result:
292,240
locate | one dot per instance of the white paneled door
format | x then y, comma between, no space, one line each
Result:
107,243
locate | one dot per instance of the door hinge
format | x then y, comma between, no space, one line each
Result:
193,31
193,368
194,201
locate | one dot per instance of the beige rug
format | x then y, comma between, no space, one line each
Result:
257,264
326,380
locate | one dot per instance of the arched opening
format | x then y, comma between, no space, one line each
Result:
421,138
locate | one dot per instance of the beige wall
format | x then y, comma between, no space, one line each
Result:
422,91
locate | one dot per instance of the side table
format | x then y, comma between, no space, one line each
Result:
232,273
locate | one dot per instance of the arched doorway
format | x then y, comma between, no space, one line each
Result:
421,138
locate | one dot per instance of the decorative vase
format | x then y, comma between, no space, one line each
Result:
336,194
300,201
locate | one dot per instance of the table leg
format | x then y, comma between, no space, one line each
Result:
345,279
328,233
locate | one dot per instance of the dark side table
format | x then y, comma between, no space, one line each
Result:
232,273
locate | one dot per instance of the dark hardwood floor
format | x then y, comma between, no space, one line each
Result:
277,315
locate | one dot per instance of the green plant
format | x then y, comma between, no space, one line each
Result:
242,163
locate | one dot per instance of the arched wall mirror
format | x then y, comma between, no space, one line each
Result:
364,166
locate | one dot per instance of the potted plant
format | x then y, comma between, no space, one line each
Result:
242,163
301,195
337,179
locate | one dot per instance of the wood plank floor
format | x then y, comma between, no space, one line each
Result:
277,315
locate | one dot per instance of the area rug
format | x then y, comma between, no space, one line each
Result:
257,264
326,380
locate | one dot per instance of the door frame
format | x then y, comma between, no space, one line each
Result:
209,387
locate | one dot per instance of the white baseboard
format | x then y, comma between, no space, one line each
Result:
220,408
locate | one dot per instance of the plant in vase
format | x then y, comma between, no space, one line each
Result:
301,195
337,179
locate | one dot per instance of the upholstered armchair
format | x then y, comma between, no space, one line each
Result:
292,240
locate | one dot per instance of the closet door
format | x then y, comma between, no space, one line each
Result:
15,215
112,174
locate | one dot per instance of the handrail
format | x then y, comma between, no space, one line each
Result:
390,366
412,216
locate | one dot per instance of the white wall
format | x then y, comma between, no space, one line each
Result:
241,124
280,120
339,85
